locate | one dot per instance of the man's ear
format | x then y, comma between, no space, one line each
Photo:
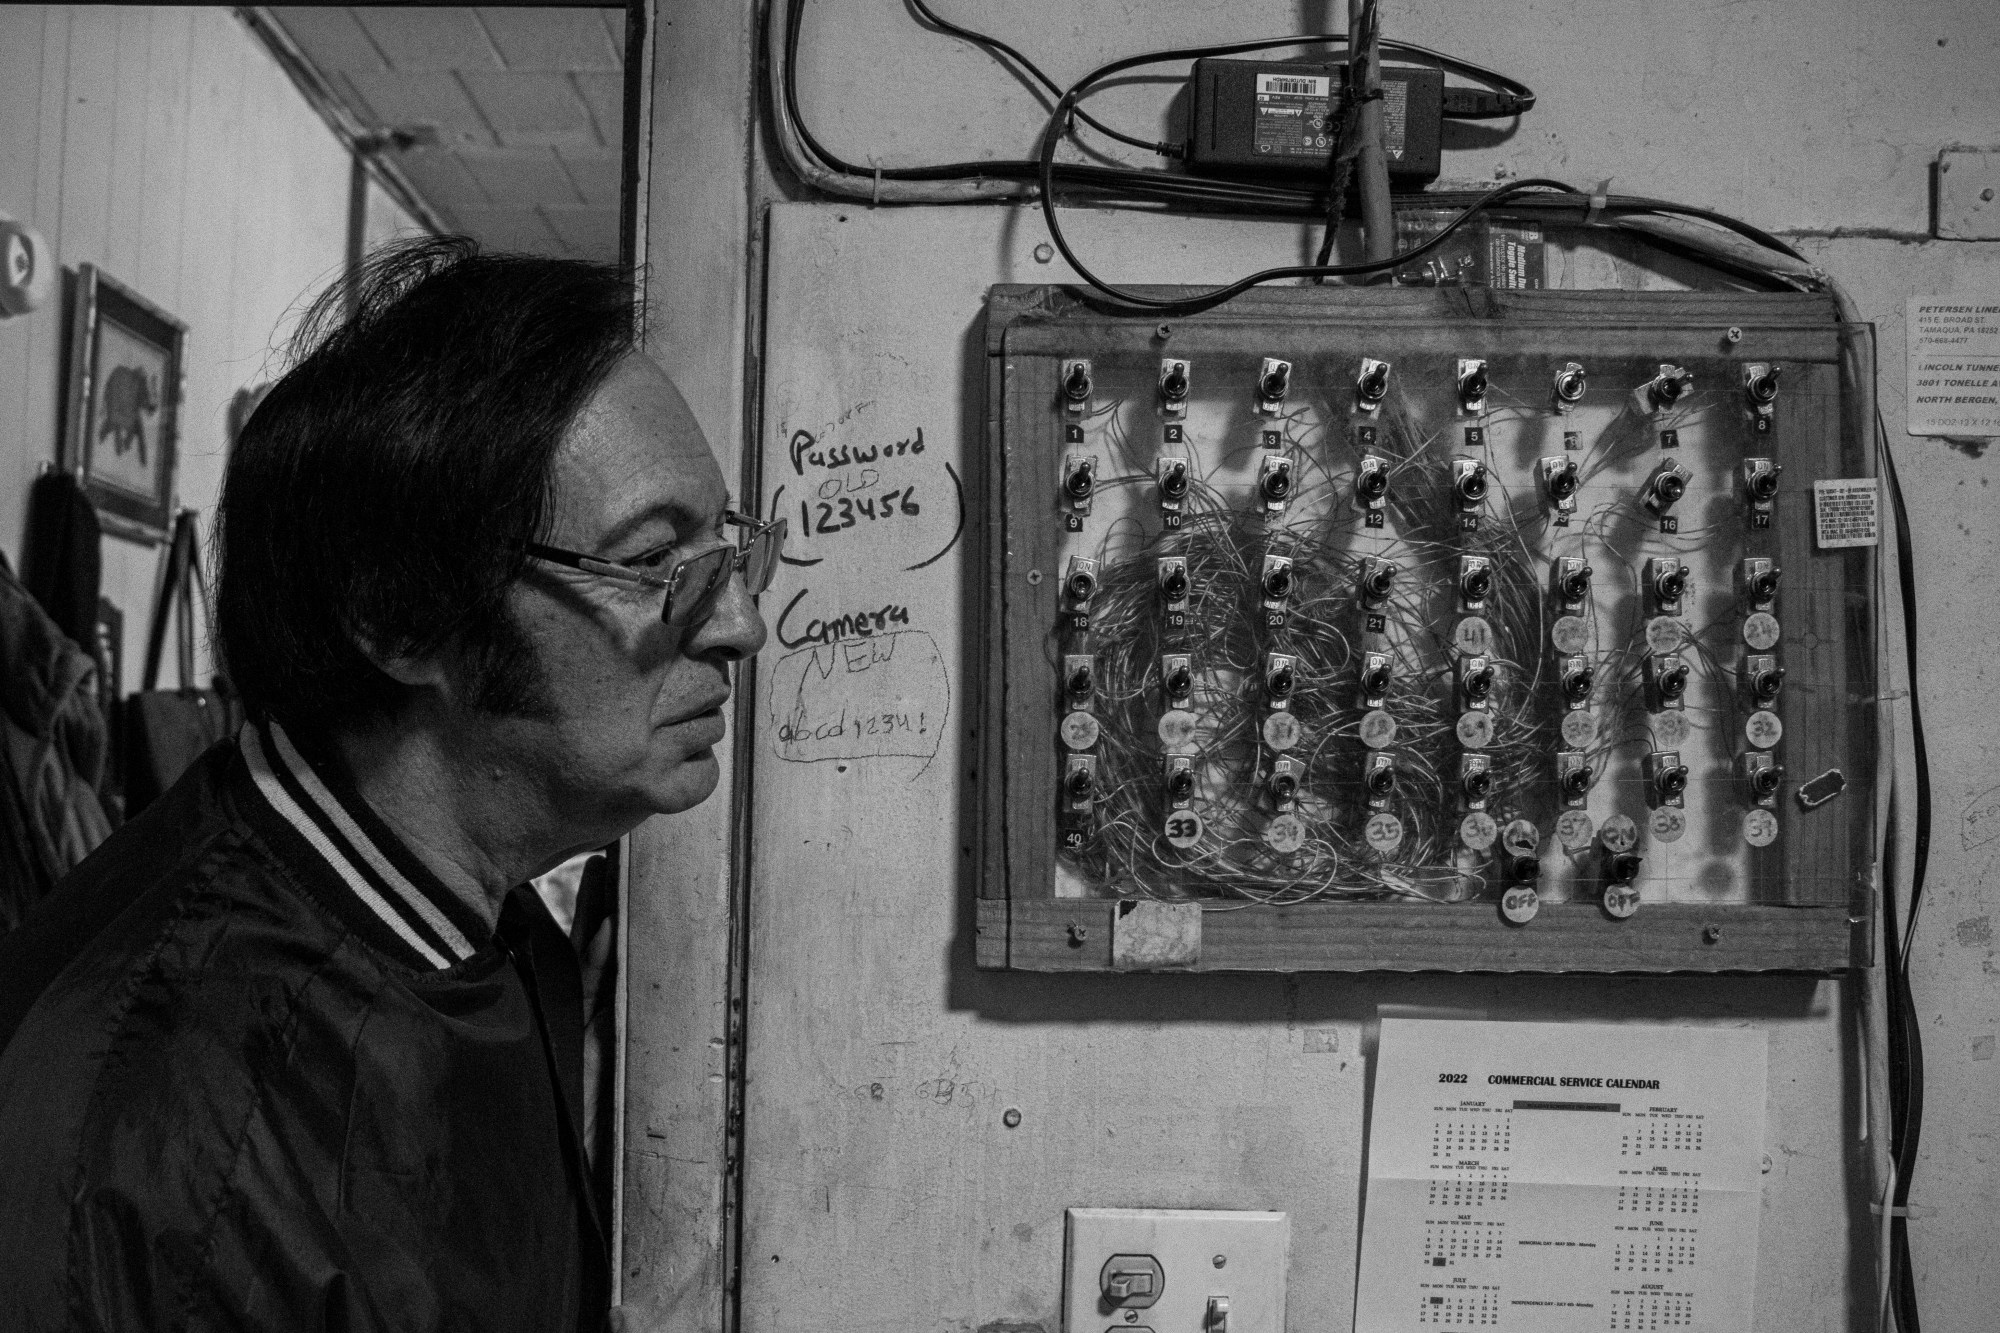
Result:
415,670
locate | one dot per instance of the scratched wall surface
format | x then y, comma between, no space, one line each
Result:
883,1190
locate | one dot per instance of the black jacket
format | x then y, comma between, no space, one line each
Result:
241,1092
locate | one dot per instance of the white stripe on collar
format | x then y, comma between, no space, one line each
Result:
360,863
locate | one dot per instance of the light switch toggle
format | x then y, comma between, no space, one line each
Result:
1132,1281
1218,1315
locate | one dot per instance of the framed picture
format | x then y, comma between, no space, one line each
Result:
122,403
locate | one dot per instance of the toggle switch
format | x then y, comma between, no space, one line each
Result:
1076,384
1285,776
1664,488
1672,384
1666,778
1217,1319
1475,680
1764,774
1081,582
1179,780
1132,1281
1274,482
1475,779
1172,472
1569,576
1475,581
1277,578
1378,580
1472,386
1760,483
1763,678
1079,482
1468,483
1560,481
1174,374
1375,678
1378,776
1280,676
1176,679
1622,867
1568,388
1760,385
1274,381
1667,582
1371,385
1079,678
1577,679
1758,582
1666,682
1573,777
1173,577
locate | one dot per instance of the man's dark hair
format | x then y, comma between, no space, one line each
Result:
379,493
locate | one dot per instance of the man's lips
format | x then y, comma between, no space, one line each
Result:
706,727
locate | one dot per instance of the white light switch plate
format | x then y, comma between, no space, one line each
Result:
1187,1242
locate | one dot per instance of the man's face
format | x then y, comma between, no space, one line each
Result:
627,711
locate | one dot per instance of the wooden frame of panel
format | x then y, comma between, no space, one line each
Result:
1817,921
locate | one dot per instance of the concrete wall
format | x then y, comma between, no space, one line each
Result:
870,1199
166,147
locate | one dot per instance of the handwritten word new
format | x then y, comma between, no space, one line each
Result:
804,448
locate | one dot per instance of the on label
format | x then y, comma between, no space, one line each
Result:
1664,634
1378,729
1578,729
1570,635
1760,828
1477,831
1522,837
1668,823
1176,728
1763,729
1475,729
1621,900
1285,834
1384,833
1760,630
1671,730
1183,828
1079,730
1574,830
1473,637
1519,904
1619,833
1282,731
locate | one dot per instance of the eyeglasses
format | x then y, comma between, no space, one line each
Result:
694,584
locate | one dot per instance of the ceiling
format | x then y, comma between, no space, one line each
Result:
516,114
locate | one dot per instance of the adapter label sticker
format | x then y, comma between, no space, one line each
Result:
1954,383
1847,512
1294,116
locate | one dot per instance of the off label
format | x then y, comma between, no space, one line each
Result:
1578,729
1671,729
1621,900
1760,828
1079,731
1619,834
1378,729
1668,823
1475,730
1574,830
1763,729
1477,831
1519,904
1760,631
1473,637
1285,834
1183,828
1571,635
1664,634
1282,731
1384,834
1176,730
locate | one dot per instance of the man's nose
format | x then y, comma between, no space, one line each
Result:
734,628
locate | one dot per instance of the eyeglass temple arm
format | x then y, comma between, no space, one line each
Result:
590,564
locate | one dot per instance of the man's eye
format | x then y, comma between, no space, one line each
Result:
652,560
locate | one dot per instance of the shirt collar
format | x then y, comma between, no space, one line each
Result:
435,929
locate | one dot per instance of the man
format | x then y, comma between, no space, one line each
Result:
294,1049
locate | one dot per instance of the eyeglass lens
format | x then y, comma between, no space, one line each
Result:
703,578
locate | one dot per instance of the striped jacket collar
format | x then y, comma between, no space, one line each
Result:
433,927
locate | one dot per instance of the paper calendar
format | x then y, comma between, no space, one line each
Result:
1562,1178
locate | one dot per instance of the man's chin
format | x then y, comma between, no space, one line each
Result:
693,781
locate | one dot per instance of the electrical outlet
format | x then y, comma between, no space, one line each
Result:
1184,1264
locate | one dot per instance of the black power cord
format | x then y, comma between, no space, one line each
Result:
1906,1041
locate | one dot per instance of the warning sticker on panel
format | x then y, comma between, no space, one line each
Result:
1847,513
1955,364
